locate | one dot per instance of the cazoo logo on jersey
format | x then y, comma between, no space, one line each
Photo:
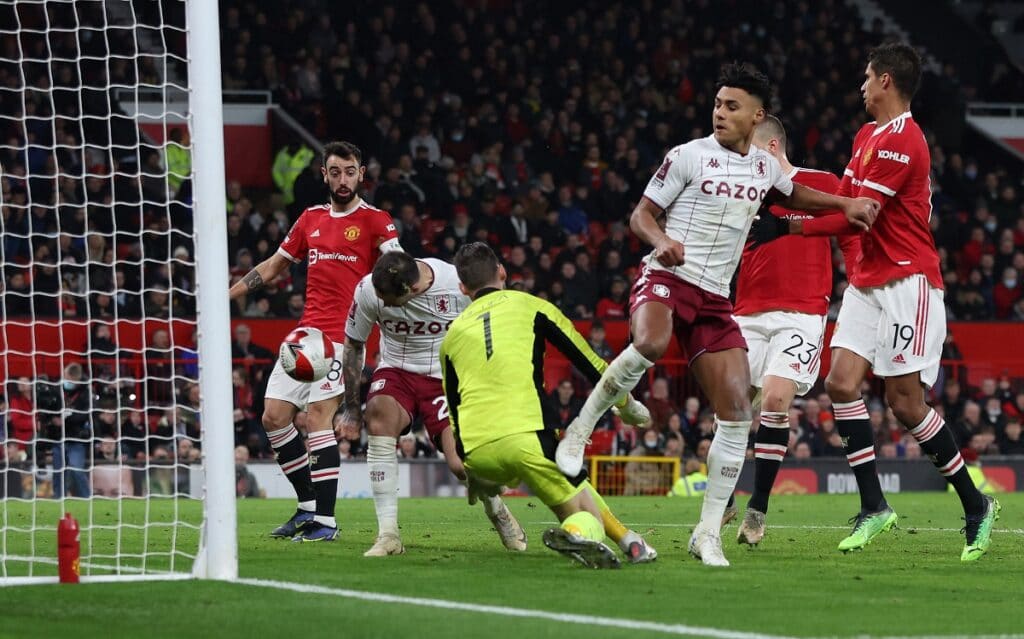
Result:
316,255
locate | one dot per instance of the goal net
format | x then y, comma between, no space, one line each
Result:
114,341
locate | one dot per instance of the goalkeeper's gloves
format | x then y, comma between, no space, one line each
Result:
767,228
477,488
632,412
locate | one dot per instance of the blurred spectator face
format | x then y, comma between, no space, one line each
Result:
692,405
241,455
652,440
244,260
802,451
243,334
408,215
565,391
911,449
296,302
972,412
952,389
659,390
993,407
702,449
108,447
888,450
1013,430
161,339
812,410
1010,277
988,386
675,423
674,447
568,270
408,446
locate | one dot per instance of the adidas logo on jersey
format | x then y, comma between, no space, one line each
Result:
795,366
713,164
315,233
899,359
326,386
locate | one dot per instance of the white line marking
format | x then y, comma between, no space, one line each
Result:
611,622
587,620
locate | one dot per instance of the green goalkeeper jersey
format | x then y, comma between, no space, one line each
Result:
492,365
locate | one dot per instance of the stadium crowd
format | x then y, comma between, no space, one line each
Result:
533,131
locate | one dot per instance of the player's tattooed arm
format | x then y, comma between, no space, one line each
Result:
253,280
351,371
352,357
257,278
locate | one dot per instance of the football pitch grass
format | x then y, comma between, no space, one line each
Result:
455,580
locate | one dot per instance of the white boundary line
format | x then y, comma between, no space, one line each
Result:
506,611
587,620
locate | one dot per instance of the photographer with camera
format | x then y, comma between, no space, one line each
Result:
71,432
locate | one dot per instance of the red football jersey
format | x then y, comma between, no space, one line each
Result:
341,248
792,273
891,164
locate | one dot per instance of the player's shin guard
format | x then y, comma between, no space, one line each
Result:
613,528
619,378
291,455
937,442
769,451
325,463
584,525
725,460
853,426
382,459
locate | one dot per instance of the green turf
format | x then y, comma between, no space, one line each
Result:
907,583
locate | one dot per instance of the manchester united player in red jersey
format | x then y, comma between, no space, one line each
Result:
341,241
782,298
893,319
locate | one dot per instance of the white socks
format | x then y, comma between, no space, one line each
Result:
725,460
382,459
621,376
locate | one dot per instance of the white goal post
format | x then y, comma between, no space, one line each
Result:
115,348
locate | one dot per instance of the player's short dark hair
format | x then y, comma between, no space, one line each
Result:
395,273
772,127
743,75
344,150
903,64
476,264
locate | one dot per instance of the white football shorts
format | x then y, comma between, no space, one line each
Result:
898,327
282,386
784,344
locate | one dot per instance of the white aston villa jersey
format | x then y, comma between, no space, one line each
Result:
410,335
711,195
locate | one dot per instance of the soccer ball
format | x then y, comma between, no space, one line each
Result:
306,354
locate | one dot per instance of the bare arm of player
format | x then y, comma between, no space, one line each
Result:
644,223
264,272
861,212
351,371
